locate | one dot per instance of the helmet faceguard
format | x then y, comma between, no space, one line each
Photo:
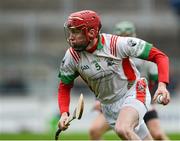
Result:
125,28
83,21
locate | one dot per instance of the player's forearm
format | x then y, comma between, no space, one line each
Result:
64,97
162,62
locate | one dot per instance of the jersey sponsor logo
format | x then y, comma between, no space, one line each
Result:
110,62
141,86
131,42
140,48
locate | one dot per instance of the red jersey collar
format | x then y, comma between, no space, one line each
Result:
99,44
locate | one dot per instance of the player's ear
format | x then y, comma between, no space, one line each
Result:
91,34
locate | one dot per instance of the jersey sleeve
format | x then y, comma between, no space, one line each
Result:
68,71
133,47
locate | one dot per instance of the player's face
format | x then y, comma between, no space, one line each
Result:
77,39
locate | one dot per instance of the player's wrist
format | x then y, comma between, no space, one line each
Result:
162,84
65,114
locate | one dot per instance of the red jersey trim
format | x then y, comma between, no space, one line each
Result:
74,54
128,70
92,49
102,40
113,45
141,90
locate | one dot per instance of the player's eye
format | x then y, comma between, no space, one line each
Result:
75,30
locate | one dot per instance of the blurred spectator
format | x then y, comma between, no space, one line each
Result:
173,86
13,83
176,5
17,86
174,74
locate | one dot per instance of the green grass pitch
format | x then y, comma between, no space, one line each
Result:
66,136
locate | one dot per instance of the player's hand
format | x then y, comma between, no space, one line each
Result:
63,120
161,90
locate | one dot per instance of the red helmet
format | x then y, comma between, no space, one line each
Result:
85,19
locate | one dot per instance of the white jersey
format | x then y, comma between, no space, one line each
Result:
108,70
147,69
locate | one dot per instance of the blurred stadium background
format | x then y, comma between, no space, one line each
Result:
32,44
